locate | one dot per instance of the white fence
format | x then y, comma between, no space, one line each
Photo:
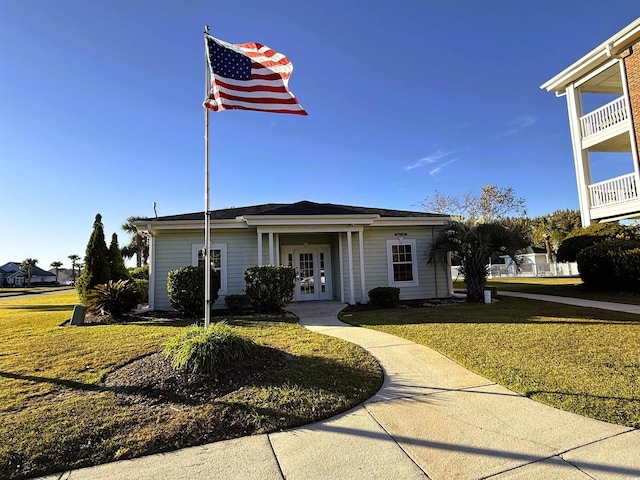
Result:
569,269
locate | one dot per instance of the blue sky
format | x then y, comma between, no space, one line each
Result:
101,108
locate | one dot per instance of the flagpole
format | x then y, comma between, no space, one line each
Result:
207,213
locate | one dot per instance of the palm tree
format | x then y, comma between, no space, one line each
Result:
139,245
57,266
74,259
474,243
28,265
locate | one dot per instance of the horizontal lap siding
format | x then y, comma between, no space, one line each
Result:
173,250
432,281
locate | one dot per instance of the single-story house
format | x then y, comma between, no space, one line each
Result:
340,252
14,275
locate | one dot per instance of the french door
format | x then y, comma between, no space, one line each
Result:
313,271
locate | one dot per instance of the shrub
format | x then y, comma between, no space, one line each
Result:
385,297
185,288
591,235
115,298
96,262
269,287
611,265
202,350
140,272
237,303
143,289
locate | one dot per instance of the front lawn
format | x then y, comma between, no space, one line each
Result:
65,404
582,360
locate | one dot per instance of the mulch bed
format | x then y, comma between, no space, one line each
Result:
152,380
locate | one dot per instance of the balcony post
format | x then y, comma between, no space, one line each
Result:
580,156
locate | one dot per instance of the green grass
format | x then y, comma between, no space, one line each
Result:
13,291
562,287
55,413
578,359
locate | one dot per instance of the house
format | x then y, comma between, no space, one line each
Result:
340,252
603,98
15,276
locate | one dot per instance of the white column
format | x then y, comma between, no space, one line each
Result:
152,269
277,240
363,287
259,248
340,256
352,298
580,156
271,256
634,145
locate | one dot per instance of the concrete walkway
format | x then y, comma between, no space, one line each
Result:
580,302
431,419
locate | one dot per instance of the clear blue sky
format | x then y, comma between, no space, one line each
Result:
101,108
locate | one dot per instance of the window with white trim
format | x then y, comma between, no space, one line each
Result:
218,261
402,263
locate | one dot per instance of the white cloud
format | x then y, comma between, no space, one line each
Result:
437,169
428,160
518,124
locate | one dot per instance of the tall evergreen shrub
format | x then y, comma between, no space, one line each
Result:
96,262
116,263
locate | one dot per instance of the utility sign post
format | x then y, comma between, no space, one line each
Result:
247,76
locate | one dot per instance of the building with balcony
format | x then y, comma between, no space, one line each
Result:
603,99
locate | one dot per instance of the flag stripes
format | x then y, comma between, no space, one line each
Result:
249,76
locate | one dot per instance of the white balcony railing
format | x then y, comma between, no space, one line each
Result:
614,191
604,117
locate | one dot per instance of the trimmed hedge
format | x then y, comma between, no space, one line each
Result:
185,287
592,235
611,265
385,297
237,303
269,287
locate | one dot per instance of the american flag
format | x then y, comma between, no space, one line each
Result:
249,76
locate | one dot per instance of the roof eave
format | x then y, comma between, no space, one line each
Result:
614,45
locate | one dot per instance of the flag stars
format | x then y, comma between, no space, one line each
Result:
229,63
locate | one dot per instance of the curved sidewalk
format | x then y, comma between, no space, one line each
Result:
432,418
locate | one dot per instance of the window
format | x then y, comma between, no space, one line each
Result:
218,261
402,263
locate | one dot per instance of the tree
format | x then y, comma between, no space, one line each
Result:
28,265
474,243
74,261
139,244
57,266
116,264
550,230
96,271
492,204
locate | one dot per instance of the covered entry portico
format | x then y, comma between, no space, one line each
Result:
328,258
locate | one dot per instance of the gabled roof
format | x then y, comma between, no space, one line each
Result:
35,271
596,57
303,208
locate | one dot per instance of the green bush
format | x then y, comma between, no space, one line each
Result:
140,272
143,289
185,288
385,297
115,298
237,303
269,287
202,350
591,235
611,265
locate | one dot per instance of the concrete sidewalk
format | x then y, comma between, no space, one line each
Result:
431,419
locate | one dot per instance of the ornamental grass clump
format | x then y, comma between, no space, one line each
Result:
203,350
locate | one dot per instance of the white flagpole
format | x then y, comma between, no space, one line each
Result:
207,214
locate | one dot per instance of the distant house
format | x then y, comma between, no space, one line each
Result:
13,275
607,77
340,252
